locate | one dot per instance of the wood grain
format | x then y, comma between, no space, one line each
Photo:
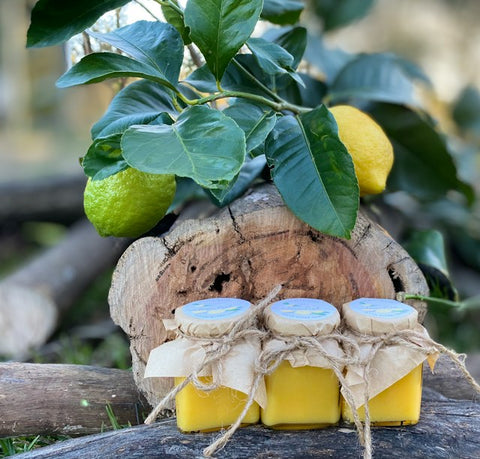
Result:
65,399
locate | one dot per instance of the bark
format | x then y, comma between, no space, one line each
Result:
243,251
53,399
32,298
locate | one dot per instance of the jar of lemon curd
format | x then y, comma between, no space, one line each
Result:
303,391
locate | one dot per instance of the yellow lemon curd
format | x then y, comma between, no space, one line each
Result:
301,398
397,405
213,410
305,395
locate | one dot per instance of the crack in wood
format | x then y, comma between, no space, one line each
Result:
235,225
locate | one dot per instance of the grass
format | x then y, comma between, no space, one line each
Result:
17,445
12,446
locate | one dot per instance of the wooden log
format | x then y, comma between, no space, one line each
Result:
447,429
32,298
243,251
54,199
65,399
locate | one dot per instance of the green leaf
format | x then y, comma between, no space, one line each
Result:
310,94
466,110
292,39
55,21
249,172
202,144
282,11
175,18
104,158
272,58
138,103
328,60
234,79
220,28
423,165
427,248
156,44
314,172
255,120
97,67
376,77
338,13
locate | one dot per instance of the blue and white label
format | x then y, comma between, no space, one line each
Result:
216,308
381,308
303,309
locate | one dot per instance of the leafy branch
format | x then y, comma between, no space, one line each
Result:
276,116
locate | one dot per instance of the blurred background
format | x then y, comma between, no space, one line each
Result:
44,131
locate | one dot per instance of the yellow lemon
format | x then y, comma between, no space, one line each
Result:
128,203
369,147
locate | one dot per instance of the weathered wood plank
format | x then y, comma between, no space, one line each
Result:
447,429
65,399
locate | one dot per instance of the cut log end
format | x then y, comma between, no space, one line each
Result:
243,251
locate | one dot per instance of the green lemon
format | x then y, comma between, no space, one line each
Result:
129,203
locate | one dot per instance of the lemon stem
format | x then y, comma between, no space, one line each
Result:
433,301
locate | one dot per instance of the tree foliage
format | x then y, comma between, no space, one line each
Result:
277,116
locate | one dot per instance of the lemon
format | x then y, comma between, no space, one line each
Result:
128,203
369,147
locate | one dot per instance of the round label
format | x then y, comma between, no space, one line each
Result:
303,309
216,308
381,308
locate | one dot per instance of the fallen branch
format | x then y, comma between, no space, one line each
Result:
65,399
55,199
32,298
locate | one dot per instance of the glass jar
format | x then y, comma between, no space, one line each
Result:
303,391
395,373
201,323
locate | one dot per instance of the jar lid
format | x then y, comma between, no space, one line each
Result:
301,317
375,316
211,317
